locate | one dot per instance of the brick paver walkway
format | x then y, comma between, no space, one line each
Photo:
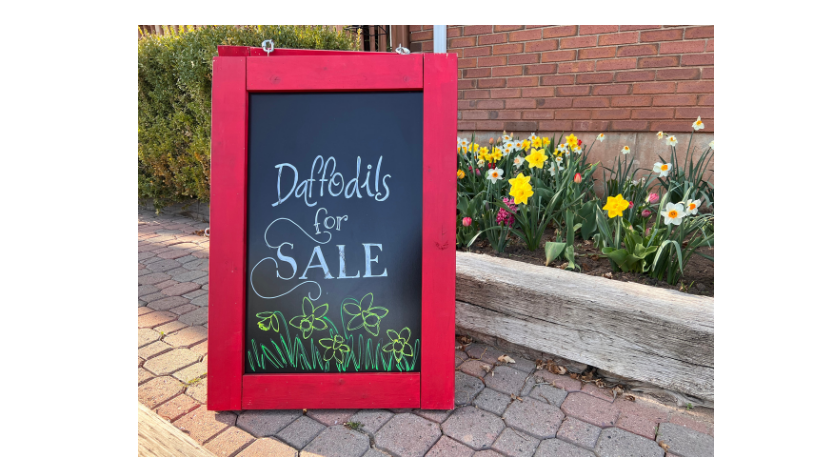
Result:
511,410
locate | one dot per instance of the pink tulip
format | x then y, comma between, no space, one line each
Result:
477,172
467,221
630,205
578,178
654,197
646,213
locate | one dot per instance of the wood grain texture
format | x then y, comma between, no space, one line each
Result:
438,240
332,391
659,336
227,271
351,72
158,437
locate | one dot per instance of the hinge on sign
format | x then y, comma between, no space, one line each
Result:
268,49
401,50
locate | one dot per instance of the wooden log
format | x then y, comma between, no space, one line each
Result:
157,437
660,336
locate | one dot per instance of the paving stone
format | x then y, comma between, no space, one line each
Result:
488,452
145,255
144,375
151,320
437,416
692,422
176,271
154,349
264,423
190,373
140,361
338,441
202,424
483,352
372,419
548,393
170,327
300,432
195,317
201,301
167,303
142,309
407,434
475,368
181,309
556,447
158,390
534,417
149,261
186,259
144,290
685,441
166,284
147,336
172,253
493,401
172,361
201,349
524,365
595,391
197,264
204,287
153,278
187,336
506,380
579,433
152,297
641,417
590,409
474,427
513,443
618,442
142,270
197,391
460,357
466,387
163,265
373,452
448,447
194,294
331,417
180,288
190,276
229,442
559,381
268,447
203,281
177,407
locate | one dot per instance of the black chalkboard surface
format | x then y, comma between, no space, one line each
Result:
334,232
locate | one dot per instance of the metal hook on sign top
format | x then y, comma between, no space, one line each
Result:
268,49
402,50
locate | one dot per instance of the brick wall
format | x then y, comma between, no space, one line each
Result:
580,78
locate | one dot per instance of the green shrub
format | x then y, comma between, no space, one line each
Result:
175,98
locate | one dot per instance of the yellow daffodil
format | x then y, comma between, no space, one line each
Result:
521,195
536,142
461,174
520,180
698,124
536,159
546,141
615,206
572,141
526,144
497,155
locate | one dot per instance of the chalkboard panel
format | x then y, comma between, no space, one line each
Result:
334,224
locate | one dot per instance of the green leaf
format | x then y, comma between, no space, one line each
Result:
553,251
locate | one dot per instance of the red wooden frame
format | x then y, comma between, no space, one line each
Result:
237,71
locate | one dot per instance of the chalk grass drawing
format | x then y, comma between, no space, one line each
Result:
311,319
340,348
364,314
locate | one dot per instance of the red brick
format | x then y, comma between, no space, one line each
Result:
504,93
490,61
491,82
562,31
477,29
538,92
662,35
505,115
462,42
626,28
466,84
520,126
632,101
640,418
590,409
453,32
573,90
477,72
628,126
619,39
544,45
507,28
640,50
700,32
558,80
558,56
672,126
679,74
554,126
467,63
421,36
591,29
507,71
521,103
696,86
489,125
612,89
662,61
466,125
541,69
508,49
578,42
491,104
706,99
477,114
538,114
597,53
524,81
654,88
691,422
536,26
573,114
415,28
476,94
674,100
426,46
555,102
694,112
654,113
202,424
635,76
591,102
698,59
682,47
618,113
591,126
590,78
710,45
707,73
492,39
524,58
478,52
526,35
616,64
576,67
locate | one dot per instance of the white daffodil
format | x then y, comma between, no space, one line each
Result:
698,125
518,161
532,137
563,148
506,138
552,170
673,213
712,145
660,135
577,150
463,143
601,137
626,150
692,206
558,161
662,169
508,148
494,174
672,140
481,163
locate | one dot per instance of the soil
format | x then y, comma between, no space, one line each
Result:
699,273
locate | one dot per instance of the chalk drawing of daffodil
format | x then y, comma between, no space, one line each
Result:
335,348
311,318
399,345
268,320
364,314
